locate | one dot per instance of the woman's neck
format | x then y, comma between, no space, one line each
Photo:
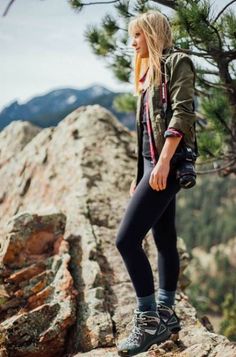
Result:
144,80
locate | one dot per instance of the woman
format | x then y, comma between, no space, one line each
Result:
153,191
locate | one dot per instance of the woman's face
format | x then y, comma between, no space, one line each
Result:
139,43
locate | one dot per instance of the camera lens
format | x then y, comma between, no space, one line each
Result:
187,181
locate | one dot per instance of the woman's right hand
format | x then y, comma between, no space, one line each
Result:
132,188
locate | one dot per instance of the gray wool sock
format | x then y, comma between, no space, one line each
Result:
166,297
147,303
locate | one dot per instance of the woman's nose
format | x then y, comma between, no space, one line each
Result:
134,43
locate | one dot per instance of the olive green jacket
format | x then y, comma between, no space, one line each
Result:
180,75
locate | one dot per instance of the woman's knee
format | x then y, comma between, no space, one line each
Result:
122,243
125,243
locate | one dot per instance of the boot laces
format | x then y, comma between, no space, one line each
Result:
137,331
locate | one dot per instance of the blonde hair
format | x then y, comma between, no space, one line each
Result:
158,36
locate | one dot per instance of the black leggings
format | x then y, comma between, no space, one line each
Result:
150,209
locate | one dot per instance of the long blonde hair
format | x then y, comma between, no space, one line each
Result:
158,36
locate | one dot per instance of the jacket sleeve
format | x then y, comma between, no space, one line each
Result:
181,92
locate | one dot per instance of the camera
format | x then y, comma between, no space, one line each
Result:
184,161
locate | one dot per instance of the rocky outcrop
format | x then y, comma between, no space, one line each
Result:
83,168
14,138
37,296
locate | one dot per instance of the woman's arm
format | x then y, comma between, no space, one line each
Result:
160,172
181,90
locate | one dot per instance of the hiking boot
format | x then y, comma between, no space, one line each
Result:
148,329
170,318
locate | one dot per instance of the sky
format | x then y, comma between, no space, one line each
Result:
42,48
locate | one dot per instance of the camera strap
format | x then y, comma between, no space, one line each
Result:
163,91
153,150
163,96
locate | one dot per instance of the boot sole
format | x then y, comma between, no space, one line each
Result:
126,353
174,336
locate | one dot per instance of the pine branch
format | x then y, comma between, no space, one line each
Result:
200,93
231,55
211,160
212,64
194,53
219,169
207,71
99,2
224,124
169,3
216,32
214,85
221,12
8,7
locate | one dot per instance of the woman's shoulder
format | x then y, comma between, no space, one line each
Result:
179,58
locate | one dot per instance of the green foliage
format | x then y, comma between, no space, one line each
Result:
228,23
207,292
215,106
122,8
76,5
141,6
194,18
125,103
110,25
217,109
120,71
228,325
210,143
100,41
181,38
205,215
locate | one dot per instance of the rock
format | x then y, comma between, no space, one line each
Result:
83,168
38,304
14,138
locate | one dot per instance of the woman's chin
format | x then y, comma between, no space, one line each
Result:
141,55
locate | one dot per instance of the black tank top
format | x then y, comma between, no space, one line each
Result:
145,141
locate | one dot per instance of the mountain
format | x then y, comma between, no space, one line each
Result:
64,288
48,109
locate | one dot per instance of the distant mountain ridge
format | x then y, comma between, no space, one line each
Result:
50,108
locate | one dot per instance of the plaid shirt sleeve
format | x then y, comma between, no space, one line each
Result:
173,132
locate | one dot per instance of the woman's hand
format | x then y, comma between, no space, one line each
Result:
132,188
159,174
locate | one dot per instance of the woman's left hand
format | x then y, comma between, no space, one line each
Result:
159,174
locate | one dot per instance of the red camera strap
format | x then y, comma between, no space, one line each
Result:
149,128
163,96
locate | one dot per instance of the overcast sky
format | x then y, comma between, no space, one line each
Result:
42,48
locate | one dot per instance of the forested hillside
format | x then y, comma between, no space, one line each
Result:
206,213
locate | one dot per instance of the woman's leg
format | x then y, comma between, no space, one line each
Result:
164,233
144,209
